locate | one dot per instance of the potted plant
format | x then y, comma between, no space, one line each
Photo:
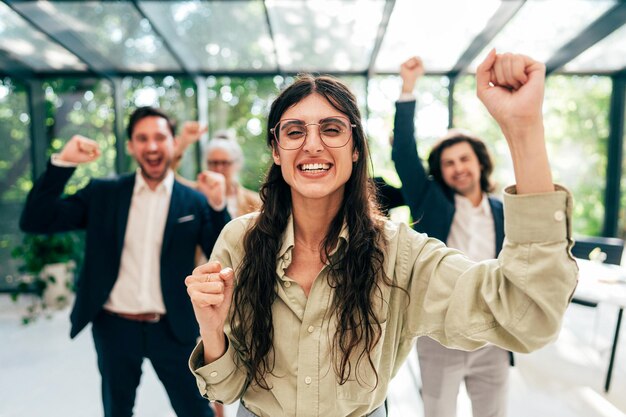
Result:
47,271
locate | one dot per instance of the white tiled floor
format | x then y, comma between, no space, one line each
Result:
45,374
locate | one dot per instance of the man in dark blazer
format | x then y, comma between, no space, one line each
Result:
451,203
141,233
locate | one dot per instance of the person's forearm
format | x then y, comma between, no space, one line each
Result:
530,158
214,345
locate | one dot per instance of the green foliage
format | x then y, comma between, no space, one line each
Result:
37,251
15,173
81,107
242,104
576,111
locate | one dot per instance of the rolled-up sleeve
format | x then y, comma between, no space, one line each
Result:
517,301
219,380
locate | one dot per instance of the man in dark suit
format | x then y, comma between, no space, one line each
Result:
451,203
141,233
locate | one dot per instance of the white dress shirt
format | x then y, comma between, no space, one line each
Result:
473,231
138,285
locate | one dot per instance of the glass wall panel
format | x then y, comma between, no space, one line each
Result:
82,107
540,27
324,35
240,106
115,30
176,96
211,36
21,41
438,31
431,121
15,173
576,112
607,55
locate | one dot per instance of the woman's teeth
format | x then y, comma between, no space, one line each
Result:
315,167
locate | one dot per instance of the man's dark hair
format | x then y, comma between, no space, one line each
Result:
142,113
452,138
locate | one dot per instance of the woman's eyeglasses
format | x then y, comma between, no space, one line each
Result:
215,163
334,131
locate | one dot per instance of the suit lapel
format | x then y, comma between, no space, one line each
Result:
127,184
498,220
172,215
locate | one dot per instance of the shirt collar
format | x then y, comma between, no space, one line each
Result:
289,239
164,186
464,203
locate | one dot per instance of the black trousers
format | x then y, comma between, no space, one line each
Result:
123,344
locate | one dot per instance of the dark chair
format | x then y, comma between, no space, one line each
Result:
608,250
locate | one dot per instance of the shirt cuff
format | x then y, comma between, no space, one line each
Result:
543,217
404,97
213,373
58,162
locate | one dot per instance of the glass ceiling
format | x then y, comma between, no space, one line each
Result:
247,37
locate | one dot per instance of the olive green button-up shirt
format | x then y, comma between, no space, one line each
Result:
516,302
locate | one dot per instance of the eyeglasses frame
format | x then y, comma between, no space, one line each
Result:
306,133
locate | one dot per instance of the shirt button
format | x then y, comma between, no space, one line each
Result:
287,284
559,216
213,374
307,380
287,256
311,329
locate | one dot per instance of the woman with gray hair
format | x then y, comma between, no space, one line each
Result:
223,154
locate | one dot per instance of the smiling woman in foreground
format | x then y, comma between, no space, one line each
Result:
311,306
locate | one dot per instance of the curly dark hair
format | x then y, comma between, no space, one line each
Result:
141,113
454,137
356,275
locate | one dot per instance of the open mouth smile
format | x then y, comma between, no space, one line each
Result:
313,168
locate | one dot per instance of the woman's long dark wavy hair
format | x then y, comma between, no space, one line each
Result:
356,274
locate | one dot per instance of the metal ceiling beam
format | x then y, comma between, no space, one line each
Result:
78,74
380,35
14,68
271,32
611,20
167,42
121,160
50,26
500,18
39,140
614,162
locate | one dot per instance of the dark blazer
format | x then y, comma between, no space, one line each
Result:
101,209
432,206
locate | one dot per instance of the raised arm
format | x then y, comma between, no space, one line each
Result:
190,134
511,88
403,147
517,301
45,211
428,203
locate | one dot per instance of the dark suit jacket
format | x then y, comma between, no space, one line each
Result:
432,206
101,208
